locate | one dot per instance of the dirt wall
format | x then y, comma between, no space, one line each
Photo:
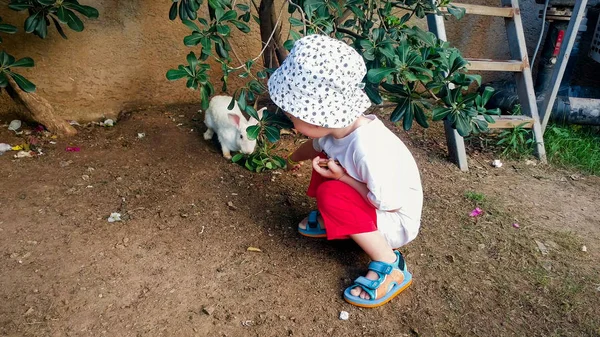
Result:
119,61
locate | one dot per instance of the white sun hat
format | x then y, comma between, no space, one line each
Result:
320,82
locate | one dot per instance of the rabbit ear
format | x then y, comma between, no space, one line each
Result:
235,119
260,112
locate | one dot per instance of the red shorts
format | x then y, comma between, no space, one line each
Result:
344,210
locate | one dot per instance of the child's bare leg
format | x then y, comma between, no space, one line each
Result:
378,249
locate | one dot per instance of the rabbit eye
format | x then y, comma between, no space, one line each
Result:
241,136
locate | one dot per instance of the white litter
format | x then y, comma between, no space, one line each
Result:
141,135
497,163
114,217
23,154
344,315
583,248
14,125
109,122
4,147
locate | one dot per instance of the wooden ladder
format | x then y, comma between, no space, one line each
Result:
519,65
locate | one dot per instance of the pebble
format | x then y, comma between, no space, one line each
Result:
583,248
344,315
85,177
231,206
481,246
208,310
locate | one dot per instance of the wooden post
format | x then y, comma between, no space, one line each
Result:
454,141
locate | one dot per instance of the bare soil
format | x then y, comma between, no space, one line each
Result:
178,263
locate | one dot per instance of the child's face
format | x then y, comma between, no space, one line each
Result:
307,129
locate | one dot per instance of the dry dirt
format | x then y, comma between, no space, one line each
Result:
178,264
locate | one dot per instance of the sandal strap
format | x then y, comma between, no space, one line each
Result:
381,268
312,219
369,286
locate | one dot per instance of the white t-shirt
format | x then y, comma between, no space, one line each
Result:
372,154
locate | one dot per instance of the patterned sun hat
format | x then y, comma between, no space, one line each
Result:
320,82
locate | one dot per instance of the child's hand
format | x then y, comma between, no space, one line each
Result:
332,171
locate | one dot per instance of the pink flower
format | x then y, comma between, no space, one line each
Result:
476,212
72,149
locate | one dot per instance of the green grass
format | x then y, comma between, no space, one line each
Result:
474,196
574,146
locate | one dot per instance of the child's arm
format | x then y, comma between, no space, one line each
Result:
304,152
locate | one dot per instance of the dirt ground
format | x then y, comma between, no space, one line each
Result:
178,263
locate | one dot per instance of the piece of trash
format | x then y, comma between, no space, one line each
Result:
344,315
542,248
247,323
516,225
17,148
584,248
74,123
141,135
114,217
14,125
52,142
24,154
497,163
530,163
54,136
476,212
109,122
4,147
72,149
253,249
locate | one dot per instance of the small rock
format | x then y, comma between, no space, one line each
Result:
497,163
91,169
119,179
530,162
450,258
344,315
481,246
141,135
584,248
542,248
183,215
109,122
329,331
100,295
66,163
85,177
125,240
208,310
231,206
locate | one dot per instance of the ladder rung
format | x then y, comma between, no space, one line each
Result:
506,12
495,65
509,122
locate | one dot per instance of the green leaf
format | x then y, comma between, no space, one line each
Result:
440,113
253,131
191,25
252,112
229,15
47,2
173,11
73,21
26,62
87,11
62,14
376,75
373,94
242,7
237,157
241,26
204,100
420,116
488,92
400,110
42,28
19,6
272,133
203,21
31,23
295,22
22,82
192,61
175,74
193,40
6,28
223,30
463,126
6,60
3,80
288,45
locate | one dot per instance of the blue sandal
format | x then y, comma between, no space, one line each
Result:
393,279
312,227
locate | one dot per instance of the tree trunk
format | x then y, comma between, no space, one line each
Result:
39,109
274,53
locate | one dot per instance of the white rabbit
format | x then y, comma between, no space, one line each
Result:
230,126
